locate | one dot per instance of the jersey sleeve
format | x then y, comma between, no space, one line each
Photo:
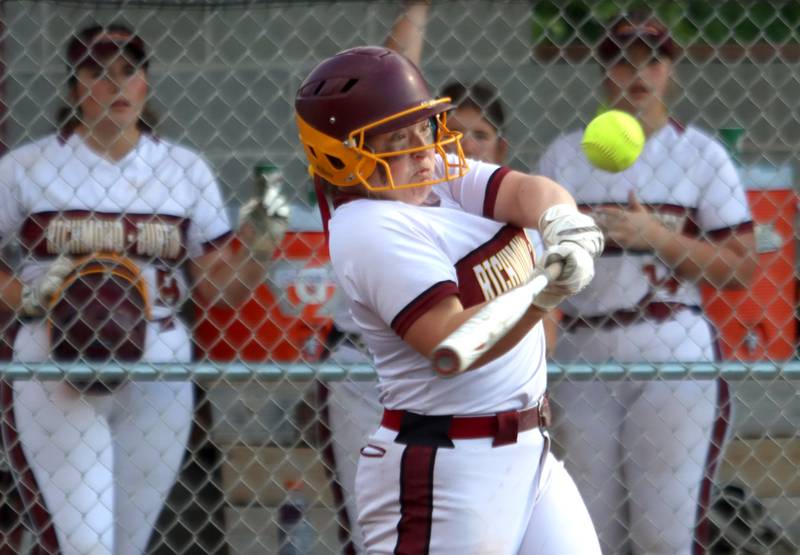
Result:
11,212
476,192
209,222
722,204
397,271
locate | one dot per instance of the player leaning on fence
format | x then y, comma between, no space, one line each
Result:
107,215
419,242
643,453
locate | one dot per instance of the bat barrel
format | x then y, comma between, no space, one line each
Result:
478,334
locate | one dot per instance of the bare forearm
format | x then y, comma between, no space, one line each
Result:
550,323
231,278
10,293
407,35
533,206
523,198
249,275
696,260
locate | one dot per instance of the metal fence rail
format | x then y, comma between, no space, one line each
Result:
277,372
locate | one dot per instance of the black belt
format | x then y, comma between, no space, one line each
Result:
338,338
503,427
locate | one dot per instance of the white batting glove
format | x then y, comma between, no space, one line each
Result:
36,297
563,223
263,222
576,274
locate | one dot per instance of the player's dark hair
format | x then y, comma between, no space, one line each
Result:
480,95
68,117
640,25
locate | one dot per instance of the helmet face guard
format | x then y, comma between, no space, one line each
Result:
353,162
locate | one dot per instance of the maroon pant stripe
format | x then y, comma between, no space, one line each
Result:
40,517
416,500
701,536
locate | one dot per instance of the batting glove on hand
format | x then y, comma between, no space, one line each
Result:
563,224
36,297
263,222
577,272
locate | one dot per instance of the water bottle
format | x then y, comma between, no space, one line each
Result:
295,534
268,176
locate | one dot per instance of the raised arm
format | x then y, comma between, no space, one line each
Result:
408,33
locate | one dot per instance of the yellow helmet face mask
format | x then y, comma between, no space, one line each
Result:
351,162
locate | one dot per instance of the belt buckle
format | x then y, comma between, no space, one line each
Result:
543,409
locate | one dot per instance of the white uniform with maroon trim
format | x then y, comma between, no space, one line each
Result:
103,464
394,262
351,411
643,453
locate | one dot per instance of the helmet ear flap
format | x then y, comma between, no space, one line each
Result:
332,160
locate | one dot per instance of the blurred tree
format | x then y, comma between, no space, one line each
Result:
692,21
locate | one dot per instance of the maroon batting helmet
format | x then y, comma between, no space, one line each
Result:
362,92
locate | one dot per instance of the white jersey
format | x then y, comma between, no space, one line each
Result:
158,205
394,261
685,177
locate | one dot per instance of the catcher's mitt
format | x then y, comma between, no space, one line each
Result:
100,312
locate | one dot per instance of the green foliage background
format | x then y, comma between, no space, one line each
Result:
692,21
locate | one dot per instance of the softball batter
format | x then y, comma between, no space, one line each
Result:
418,244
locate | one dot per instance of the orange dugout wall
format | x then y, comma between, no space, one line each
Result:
287,319
760,323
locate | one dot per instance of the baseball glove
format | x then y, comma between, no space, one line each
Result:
99,313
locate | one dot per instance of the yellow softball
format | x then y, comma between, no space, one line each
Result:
613,141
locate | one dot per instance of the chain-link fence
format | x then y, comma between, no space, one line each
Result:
240,425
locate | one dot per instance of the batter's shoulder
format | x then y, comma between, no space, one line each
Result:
367,225
365,219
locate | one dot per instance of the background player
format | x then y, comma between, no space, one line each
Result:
94,468
411,281
640,451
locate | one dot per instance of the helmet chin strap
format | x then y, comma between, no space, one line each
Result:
324,209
